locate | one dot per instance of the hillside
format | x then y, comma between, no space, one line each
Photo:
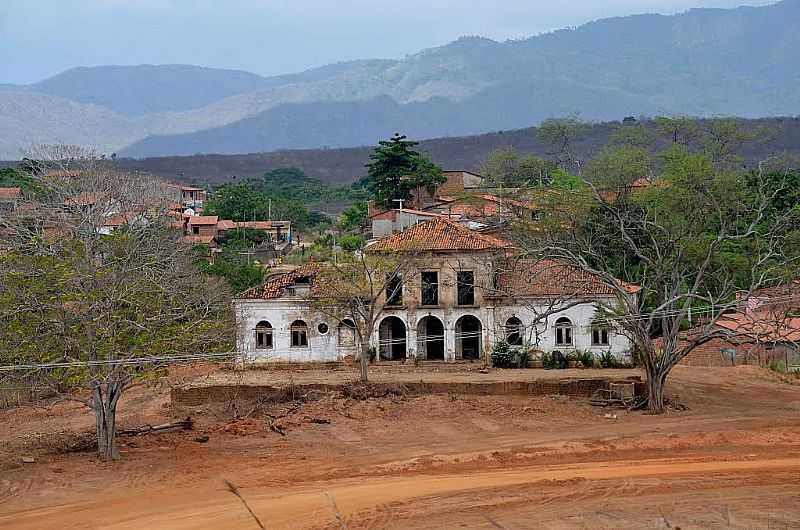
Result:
703,62
344,166
147,89
347,124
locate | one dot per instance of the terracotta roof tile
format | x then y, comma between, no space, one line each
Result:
553,278
439,234
255,225
10,193
226,224
275,287
203,220
762,327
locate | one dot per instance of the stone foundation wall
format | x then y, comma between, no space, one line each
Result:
200,395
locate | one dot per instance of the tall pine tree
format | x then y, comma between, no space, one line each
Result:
395,169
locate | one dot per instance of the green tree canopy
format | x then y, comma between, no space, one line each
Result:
242,202
395,169
507,167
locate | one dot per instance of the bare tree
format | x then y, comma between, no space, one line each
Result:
94,282
674,240
357,289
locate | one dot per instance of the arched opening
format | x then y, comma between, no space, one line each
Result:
347,333
299,331
263,335
563,332
430,338
469,337
514,331
392,339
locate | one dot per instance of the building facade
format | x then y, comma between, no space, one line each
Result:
455,302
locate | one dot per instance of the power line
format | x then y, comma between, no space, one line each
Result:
117,362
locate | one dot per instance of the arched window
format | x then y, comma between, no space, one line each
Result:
299,331
347,333
263,335
563,332
514,331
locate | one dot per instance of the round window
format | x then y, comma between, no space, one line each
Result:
322,328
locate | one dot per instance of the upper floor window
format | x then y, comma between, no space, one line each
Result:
514,331
263,335
430,288
466,287
600,336
299,331
394,290
563,332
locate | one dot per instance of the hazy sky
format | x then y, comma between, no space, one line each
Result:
39,38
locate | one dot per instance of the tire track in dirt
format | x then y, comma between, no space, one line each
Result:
308,506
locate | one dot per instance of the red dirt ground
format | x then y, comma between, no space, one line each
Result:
732,460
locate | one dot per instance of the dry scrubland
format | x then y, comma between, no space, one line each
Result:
731,459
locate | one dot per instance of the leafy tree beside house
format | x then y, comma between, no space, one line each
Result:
395,169
692,241
105,303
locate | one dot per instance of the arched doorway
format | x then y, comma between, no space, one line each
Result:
469,337
392,339
430,338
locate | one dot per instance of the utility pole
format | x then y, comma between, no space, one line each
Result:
401,203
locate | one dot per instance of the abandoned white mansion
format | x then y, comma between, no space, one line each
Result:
464,292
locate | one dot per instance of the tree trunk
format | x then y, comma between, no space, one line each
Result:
364,361
656,381
104,405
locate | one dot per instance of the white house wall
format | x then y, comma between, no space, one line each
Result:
322,348
581,316
281,314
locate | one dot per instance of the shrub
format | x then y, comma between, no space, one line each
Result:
522,358
777,365
555,361
585,358
503,356
547,361
608,360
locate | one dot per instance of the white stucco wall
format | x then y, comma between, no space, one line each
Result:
581,317
281,313
321,348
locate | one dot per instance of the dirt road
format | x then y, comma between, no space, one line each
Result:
731,461
359,503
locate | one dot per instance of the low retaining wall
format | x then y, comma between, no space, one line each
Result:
200,395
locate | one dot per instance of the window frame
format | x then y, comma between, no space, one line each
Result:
601,330
518,331
394,298
302,334
470,289
267,332
564,332
346,324
434,286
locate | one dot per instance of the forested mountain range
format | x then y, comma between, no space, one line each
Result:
762,139
703,62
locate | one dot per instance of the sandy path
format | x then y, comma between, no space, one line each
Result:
209,506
